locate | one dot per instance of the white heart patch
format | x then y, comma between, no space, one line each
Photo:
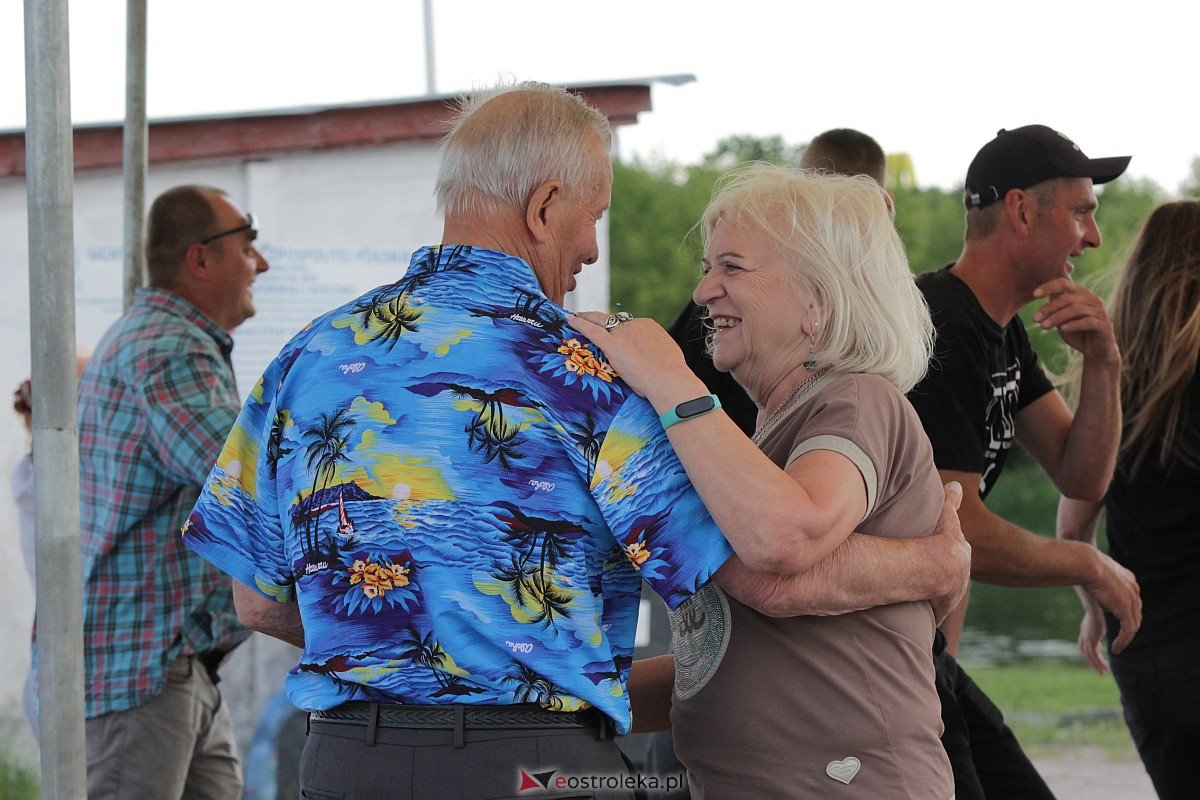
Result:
843,770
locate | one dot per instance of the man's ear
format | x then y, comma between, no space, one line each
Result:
196,261
542,204
1020,207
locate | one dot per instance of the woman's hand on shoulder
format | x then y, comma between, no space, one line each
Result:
642,353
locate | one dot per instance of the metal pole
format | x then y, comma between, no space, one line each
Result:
430,73
136,134
49,155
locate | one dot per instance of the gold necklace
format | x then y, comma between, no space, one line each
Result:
788,402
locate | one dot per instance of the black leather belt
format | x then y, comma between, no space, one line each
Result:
450,717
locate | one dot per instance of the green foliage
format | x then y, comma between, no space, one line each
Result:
930,223
16,782
734,150
1191,185
655,252
1053,688
1024,495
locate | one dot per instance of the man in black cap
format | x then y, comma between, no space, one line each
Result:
1030,209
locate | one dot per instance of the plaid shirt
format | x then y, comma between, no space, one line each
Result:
155,405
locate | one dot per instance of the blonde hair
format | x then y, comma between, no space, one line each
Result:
1155,310
841,247
493,158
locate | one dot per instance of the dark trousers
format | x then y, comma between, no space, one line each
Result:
403,764
988,762
1160,693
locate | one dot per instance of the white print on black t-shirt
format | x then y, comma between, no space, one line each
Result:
1001,429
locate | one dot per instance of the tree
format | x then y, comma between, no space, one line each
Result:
734,150
655,244
655,258
1191,185
930,223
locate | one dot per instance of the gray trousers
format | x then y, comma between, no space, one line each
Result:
405,764
180,745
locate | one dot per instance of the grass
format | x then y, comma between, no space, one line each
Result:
1054,707
16,782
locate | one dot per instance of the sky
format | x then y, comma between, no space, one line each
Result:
934,79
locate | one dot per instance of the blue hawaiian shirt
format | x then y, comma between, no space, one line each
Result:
461,495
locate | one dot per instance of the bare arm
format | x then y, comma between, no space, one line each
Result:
1077,521
865,571
1078,452
1008,555
651,683
776,520
258,613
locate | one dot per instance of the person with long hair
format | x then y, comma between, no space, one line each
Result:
817,316
449,501
1152,508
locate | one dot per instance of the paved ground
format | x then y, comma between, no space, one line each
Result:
1084,774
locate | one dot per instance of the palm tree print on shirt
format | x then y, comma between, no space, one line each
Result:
539,545
327,447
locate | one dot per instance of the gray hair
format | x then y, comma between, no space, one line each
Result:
493,158
841,248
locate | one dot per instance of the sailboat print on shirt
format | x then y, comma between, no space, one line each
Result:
345,527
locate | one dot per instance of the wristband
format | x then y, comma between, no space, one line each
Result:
692,408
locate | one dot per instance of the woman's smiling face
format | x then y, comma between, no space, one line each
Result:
754,306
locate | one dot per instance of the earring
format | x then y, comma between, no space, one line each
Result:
810,363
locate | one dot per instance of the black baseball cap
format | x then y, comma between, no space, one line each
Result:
1024,157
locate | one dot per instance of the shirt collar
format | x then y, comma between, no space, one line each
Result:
511,269
171,303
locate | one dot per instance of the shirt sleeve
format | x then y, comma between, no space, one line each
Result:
235,524
867,420
655,515
952,401
1034,383
850,422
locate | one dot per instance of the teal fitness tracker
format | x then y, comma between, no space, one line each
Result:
692,408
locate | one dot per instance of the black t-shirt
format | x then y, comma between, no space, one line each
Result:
1154,531
980,376
690,333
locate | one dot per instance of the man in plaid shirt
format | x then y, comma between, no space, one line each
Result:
156,403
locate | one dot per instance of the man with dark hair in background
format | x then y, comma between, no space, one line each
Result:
846,152
156,402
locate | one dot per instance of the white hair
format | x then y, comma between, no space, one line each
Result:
838,241
494,158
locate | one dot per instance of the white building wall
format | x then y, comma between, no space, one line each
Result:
332,224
